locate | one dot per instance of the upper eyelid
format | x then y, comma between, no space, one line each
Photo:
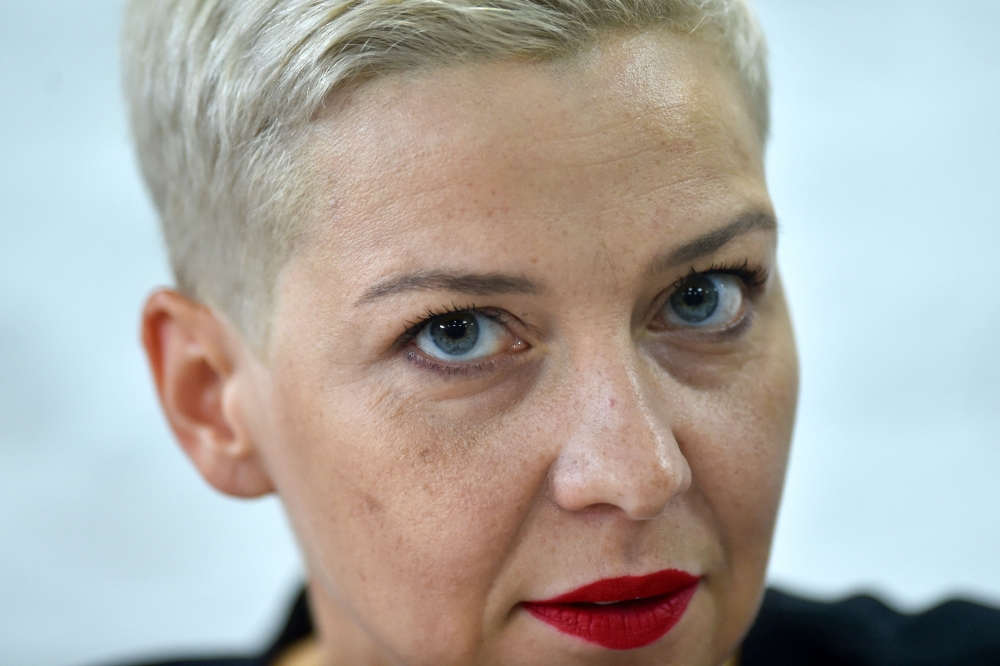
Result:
414,327
752,275
500,316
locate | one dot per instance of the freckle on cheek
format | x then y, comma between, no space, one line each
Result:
371,504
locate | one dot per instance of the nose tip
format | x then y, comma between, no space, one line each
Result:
629,461
640,488
616,446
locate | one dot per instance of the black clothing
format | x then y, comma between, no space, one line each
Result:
860,631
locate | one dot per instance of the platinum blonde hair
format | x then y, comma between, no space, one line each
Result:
219,92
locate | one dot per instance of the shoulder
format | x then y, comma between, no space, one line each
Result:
862,631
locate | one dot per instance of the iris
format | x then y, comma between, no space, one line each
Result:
454,334
696,299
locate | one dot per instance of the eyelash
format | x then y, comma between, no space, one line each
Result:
413,328
753,276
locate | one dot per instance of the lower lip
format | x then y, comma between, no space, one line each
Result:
620,613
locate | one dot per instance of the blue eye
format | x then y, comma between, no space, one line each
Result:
461,336
705,299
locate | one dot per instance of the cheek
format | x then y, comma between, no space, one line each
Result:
367,478
737,443
742,473
739,425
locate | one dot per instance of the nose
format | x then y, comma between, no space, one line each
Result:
618,449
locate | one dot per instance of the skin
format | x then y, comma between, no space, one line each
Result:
599,440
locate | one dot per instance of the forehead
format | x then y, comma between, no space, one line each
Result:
575,143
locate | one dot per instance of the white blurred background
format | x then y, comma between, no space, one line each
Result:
885,168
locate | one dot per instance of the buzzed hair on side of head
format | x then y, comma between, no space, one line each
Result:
220,91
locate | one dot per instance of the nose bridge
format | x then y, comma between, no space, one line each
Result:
611,393
621,451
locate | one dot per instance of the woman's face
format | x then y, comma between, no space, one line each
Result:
534,339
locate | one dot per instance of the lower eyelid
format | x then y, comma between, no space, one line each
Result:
721,334
745,313
485,364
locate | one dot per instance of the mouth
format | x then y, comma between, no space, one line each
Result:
620,613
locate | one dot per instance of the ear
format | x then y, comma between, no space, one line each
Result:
199,365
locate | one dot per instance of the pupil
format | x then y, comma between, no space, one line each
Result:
696,300
694,296
455,334
456,329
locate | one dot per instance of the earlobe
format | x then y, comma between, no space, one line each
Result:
196,360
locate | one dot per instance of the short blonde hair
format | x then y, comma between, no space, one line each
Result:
218,91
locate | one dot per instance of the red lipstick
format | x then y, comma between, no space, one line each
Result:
620,613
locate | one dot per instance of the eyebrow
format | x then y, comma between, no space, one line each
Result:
714,240
477,284
495,284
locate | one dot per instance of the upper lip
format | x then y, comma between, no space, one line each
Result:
626,588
